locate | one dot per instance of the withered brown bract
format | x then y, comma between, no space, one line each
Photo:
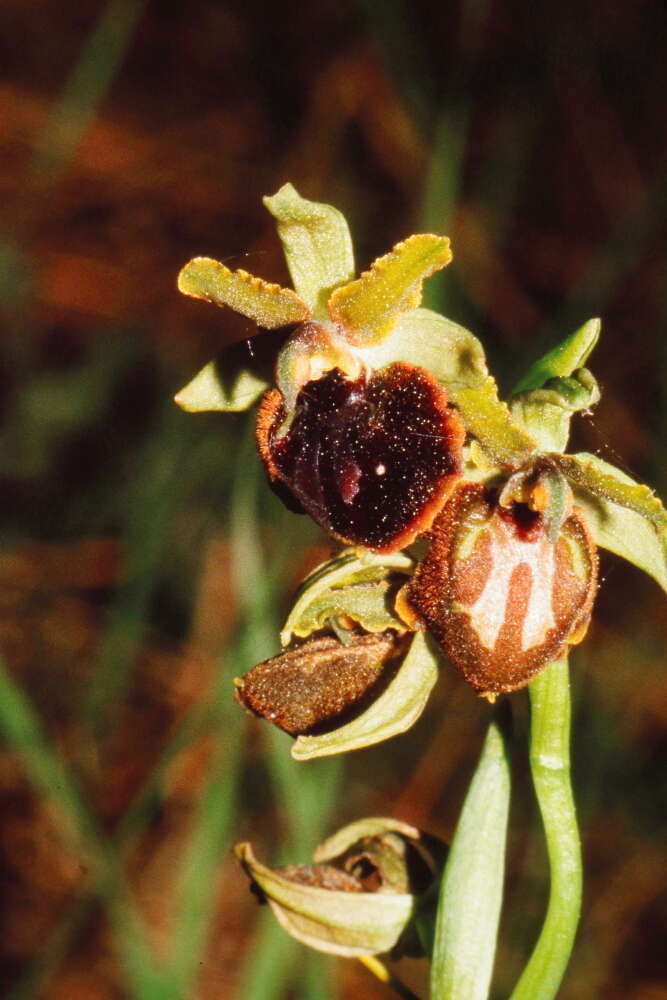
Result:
313,684
371,459
502,599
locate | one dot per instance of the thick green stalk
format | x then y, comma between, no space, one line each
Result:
550,765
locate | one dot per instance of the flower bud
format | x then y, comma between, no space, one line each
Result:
501,598
359,899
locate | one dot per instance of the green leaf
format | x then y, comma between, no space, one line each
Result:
334,921
371,826
359,588
489,420
270,306
472,884
394,711
317,246
227,383
546,413
563,360
424,338
623,516
369,307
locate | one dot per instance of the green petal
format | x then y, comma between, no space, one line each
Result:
340,923
570,354
228,383
424,338
489,420
270,306
396,709
317,246
623,516
371,826
472,883
546,413
361,589
369,307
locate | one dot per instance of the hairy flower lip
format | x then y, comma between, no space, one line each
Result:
372,460
479,594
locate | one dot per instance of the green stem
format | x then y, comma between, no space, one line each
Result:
550,765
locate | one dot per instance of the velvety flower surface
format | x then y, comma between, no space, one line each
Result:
381,421
501,598
371,459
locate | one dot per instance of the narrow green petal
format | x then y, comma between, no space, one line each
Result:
349,586
317,245
369,307
610,483
221,387
472,883
614,519
270,306
397,708
489,420
341,923
564,359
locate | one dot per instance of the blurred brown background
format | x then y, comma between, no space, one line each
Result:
143,561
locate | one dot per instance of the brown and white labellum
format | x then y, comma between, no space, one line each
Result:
502,599
372,459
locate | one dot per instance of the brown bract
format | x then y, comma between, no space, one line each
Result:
501,599
312,685
371,459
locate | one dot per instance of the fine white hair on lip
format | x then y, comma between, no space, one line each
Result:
380,469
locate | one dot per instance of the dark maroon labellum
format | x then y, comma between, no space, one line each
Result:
501,598
372,460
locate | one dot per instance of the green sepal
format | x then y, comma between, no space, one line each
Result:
361,589
317,246
472,883
369,307
546,413
371,826
333,921
232,382
562,360
269,305
393,712
624,517
422,337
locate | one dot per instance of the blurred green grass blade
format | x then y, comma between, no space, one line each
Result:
270,959
153,497
472,883
195,896
22,730
84,90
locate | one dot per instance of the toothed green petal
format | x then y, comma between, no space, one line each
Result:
270,306
369,307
